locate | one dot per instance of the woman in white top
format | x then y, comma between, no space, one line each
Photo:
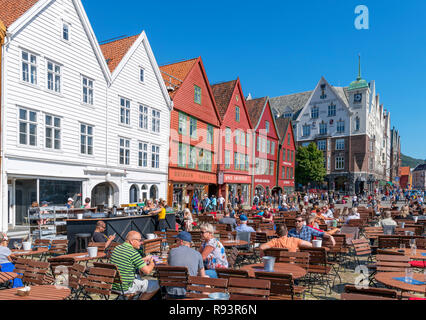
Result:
187,217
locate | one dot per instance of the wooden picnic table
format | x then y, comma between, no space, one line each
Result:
407,252
7,276
79,257
387,278
22,253
279,267
37,293
234,243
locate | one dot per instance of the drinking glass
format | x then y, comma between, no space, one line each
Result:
19,245
408,275
402,246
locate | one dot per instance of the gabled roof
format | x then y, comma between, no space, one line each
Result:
175,74
420,167
223,94
294,102
115,51
255,109
12,10
282,126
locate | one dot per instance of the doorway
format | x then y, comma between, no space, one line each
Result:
25,195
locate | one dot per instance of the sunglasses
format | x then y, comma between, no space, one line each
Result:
299,220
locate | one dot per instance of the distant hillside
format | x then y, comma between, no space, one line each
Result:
410,162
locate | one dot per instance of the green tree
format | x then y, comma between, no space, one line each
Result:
310,165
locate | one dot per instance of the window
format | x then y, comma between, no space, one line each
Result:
268,147
27,127
53,77
237,113
248,140
236,161
228,134
29,67
237,137
332,110
247,165
208,161
193,128
155,121
323,128
197,94
357,124
340,144
86,139
371,146
258,144
155,157
192,157
209,134
143,154
371,163
306,130
65,31
124,151
267,126
283,173
289,139
143,117
243,138
341,126
242,162
314,113
182,124
272,148
141,75
125,111
227,159
288,115
264,145
284,154
305,144
182,155
322,145
340,163
53,132
87,91
201,160
271,168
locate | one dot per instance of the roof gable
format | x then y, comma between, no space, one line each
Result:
255,109
223,92
115,51
282,126
12,10
175,74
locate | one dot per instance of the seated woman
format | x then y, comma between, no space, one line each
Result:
5,260
212,251
187,217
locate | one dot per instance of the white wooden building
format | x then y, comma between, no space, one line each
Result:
61,114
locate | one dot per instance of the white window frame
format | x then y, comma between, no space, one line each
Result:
340,163
323,128
228,134
142,75
28,123
210,133
63,24
126,151
30,66
193,124
155,156
322,145
53,128
143,117
127,111
86,136
307,132
267,126
227,159
182,155
314,112
155,120
143,155
182,124
90,90
55,88
340,144
340,126
332,110
237,114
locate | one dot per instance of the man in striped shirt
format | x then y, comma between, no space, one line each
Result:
128,260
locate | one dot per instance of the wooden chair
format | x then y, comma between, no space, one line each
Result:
282,285
58,262
361,248
99,245
249,289
232,256
372,292
299,258
99,281
352,233
275,252
392,263
37,273
152,246
118,282
20,266
228,273
196,238
110,250
205,219
42,243
388,242
58,247
171,277
339,251
171,237
221,227
199,287
75,274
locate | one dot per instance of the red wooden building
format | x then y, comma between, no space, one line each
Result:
235,148
193,137
266,146
286,155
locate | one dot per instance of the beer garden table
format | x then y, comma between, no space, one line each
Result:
37,293
22,253
279,267
420,254
234,243
79,257
387,278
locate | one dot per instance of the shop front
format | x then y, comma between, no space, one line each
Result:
236,189
288,186
263,187
186,185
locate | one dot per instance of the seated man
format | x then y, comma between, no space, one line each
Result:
185,256
306,233
353,215
285,242
243,227
99,234
228,220
128,260
388,221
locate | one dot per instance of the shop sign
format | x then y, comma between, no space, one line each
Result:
230,178
192,176
262,181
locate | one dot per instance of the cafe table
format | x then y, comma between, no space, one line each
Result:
279,267
387,278
80,257
234,243
23,253
37,293
420,253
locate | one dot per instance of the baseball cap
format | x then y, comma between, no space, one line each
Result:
71,199
243,217
184,236
44,202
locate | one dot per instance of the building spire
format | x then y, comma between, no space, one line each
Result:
359,68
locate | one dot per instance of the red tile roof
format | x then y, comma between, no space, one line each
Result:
255,108
12,10
223,94
178,71
115,51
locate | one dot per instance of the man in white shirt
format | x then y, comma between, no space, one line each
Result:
221,201
327,213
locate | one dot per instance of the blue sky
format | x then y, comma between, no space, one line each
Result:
284,47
